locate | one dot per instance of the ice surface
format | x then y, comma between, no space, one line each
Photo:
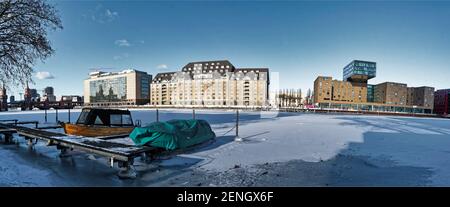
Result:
386,141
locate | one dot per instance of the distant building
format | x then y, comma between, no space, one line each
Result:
390,93
359,71
421,96
3,99
441,102
370,93
327,90
211,83
35,96
49,94
72,98
49,90
352,89
128,87
27,95
355,93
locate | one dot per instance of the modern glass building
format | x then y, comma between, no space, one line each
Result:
370,93
108,90
360,71
128,87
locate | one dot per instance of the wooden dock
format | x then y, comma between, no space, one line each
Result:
115,148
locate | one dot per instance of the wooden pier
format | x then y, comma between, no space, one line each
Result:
117,149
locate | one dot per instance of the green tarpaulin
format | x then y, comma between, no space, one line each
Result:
173,134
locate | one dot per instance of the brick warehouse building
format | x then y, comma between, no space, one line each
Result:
441,102
354,92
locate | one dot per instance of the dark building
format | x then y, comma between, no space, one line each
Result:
49,90
49,94
420,96
27,97
27,94
35,96
3,99
441,102
390,93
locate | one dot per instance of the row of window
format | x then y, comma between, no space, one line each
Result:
199,67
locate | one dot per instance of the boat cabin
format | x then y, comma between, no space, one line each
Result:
105,117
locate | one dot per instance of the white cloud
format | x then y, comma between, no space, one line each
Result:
162,66
102,15
41,75
122,43
122,56
111,15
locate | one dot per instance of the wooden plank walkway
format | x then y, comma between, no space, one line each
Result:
112,147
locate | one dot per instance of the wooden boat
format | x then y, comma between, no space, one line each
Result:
94,122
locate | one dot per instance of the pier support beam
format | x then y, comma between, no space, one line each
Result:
63,151
126,171
8,138
30,142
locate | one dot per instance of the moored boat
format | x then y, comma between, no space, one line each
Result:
94,122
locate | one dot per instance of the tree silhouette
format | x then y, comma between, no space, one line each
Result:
23,37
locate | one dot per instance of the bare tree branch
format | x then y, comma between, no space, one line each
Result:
23,37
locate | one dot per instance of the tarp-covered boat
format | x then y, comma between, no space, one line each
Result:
94,122
173,134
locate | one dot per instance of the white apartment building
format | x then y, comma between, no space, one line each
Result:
211,83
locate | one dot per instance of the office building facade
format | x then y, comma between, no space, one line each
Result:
420,96
355,93
359,71
335,91
49,94
213,84
128,87
370,93
390,93
441,102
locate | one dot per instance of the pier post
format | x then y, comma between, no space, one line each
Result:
237,123
125,170
63,151
69,114
56,115
157,115
8,138
46,115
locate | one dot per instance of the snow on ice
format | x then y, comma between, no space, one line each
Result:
337,149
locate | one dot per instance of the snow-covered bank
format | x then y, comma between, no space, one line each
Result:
315,149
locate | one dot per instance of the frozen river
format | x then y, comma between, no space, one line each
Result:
286,149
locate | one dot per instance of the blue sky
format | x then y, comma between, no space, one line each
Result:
410,41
